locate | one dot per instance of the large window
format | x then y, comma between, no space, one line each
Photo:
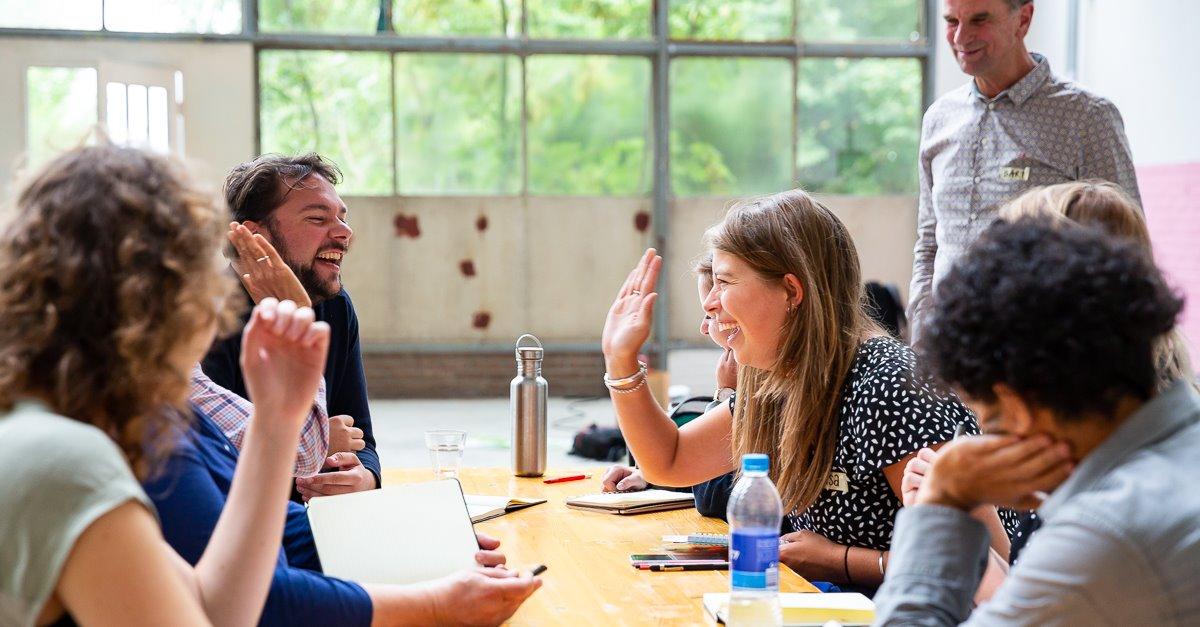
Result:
560,97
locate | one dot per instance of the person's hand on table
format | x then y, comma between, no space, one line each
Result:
351,476
487,555
344,437
1000,470
480,596
812,556
623,479
262,271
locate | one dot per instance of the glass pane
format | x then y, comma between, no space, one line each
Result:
457,17
591,19
334,103
173,16
323,16
138,116
60,110
589,125
158,119
731,19
845,20
65,14
458,124
860,125
731,126
117,115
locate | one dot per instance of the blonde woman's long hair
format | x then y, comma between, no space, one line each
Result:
791,410
1106,206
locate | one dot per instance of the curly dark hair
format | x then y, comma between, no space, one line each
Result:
1065,315
107,267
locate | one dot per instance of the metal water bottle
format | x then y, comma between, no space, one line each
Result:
527,404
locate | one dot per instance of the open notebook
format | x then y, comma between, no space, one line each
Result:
398,534
487,507
633,502
801,609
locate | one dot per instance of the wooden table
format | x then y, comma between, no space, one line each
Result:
589,580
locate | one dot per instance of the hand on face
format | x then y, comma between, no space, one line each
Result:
628,324
350,476
623,479
344,437
1000,470
283,360
262,271
727,370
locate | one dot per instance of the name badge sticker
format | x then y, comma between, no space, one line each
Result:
1014,174
838,482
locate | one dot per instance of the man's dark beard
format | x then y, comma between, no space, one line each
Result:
318,290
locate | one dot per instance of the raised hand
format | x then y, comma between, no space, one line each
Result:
283,359
627,326
262,271
914,474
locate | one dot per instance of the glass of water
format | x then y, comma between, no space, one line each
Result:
445,451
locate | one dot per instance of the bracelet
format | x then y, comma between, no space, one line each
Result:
846,565
641,384
881,563
626,382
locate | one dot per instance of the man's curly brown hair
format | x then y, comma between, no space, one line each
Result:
108,264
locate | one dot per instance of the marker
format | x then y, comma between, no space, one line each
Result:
567,478
537,570
960,430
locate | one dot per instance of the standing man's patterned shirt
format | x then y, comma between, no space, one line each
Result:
979,153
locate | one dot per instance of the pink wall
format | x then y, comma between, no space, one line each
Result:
1171,197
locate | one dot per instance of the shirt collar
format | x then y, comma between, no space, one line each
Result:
1160,418
1021,90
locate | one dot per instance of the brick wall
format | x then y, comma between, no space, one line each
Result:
476,375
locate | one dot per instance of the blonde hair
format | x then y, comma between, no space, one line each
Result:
791,410
108,265
1106,206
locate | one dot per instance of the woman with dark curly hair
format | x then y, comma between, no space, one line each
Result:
1049,333
822,389
110,292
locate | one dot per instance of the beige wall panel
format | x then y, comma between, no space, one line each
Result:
580,250
884,230
218,87
690,217
412,290
367,269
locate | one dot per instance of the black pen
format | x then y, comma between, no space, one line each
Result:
960,430
658,568
537,570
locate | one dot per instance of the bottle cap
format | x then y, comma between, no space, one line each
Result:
529,352
755,462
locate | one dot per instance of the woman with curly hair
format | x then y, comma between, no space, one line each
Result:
822,389
110,292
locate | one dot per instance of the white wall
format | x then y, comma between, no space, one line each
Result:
1143,56
218,94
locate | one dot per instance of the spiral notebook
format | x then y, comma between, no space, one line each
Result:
627,503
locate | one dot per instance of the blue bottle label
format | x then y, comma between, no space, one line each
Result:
754,559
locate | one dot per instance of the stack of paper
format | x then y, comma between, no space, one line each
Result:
802,609
633,502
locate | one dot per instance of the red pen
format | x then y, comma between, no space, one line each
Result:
566,478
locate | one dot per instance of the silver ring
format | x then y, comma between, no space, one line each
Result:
263,258
637,293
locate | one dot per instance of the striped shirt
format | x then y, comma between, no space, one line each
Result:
232,414
978,153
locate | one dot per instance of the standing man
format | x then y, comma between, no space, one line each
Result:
1013,127
290,201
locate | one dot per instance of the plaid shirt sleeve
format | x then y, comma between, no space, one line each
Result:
232,414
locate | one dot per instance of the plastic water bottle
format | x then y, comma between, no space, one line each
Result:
755,514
